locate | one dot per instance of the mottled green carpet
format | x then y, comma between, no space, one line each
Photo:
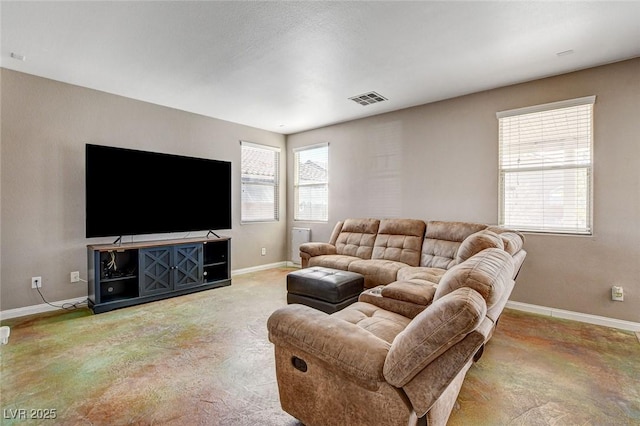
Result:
205,359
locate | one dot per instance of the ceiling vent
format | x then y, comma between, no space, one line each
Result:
368,98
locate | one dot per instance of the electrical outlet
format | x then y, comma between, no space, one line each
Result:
264,251
36,282
617,293
75,276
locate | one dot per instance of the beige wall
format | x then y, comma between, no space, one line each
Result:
45,125
436,161
0,190
439,161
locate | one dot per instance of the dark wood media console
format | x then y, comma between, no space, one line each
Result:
133,273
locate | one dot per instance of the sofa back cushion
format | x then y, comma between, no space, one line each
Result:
441,242
335,233
399,240
488,272
357,237
443,324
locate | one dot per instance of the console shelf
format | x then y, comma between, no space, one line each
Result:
132,273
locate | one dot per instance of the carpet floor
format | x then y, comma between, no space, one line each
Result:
204,359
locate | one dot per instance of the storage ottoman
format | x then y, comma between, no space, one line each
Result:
325,289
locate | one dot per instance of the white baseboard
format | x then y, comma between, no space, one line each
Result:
258,268
519,306
38,309
575,316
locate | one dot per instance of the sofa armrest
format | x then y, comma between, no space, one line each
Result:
419,292
342,345
513,240
477,242
373,296
317,249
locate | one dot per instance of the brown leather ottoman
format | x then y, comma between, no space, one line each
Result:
325,289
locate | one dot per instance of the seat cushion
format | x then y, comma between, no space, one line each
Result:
381,323
330,285
421,273
377,271
333,261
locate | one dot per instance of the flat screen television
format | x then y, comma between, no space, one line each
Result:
130,192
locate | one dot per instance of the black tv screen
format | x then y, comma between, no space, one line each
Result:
131,192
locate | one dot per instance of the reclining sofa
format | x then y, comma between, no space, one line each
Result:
434,293
407,249
369,365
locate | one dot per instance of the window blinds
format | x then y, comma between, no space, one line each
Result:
546,162
260,182
311,184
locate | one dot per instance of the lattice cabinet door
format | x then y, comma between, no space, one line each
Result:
155,270
187,264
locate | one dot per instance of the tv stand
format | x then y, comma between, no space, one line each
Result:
214,234
127,274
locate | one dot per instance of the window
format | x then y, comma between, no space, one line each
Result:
260,182
546,164
311,185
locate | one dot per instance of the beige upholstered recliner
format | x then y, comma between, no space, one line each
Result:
366,365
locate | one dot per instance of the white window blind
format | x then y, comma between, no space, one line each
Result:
311,184
546,165
260,182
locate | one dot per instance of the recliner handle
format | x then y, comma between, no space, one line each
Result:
299,364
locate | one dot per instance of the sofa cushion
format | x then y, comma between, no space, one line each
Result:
335,233
443,324
420,273
357,237
334,261
488,272
399,240
408,291
477,242
441,242
383,324
376,271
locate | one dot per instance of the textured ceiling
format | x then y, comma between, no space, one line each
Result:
291,66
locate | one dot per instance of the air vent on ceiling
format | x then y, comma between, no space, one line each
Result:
368,98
